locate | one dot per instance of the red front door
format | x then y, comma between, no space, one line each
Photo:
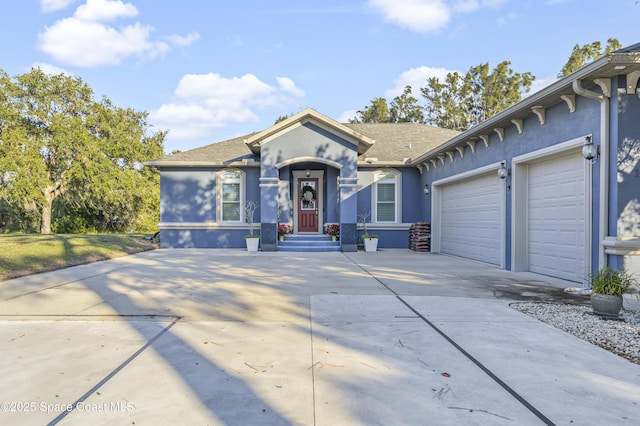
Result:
308,205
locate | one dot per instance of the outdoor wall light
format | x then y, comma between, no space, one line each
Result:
308,172
590,151
503,172
427,191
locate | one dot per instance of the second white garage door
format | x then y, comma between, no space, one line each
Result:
471,212
556,213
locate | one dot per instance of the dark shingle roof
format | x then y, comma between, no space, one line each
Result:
394,143
397,141
219,153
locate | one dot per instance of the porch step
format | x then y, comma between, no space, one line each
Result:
308,243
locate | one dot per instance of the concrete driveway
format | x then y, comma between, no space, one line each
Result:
225,337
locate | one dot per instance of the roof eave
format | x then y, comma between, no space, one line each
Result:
164,164
554,90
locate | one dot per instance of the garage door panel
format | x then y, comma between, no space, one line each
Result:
470,219
556,217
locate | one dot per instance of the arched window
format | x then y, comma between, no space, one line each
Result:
230,195
386,196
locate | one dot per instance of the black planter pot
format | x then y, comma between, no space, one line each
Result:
606,304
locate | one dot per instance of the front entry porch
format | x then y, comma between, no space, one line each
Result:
308,243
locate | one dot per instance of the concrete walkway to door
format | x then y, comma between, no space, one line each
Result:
226,337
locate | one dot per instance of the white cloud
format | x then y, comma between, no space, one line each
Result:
105,10
50,69
288,86
347,115
214,86
54,5
427,16
466,6
203,102
540,83
84,40
178,40
421,16
417,79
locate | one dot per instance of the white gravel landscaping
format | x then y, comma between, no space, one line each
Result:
619,337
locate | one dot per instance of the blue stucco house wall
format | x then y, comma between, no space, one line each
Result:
515,191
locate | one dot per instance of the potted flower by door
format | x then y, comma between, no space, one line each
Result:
252,241
283,229
607,288
333,229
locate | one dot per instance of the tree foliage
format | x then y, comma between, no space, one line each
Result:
583,55
458,103
376,112
405,108
73,161
461,102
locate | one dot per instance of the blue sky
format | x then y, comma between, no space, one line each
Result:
211,70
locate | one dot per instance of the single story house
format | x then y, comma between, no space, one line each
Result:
550,185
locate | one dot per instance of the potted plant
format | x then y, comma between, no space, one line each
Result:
252,241
370,240
283,229
333,229
607,287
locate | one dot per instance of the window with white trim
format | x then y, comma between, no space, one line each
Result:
385,196
231,184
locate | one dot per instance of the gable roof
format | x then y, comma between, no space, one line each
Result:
378,143
363,142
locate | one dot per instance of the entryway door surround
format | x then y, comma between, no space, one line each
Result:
307,205
305,208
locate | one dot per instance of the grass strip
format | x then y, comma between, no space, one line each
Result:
26,254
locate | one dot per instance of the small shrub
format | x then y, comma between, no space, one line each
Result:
612,282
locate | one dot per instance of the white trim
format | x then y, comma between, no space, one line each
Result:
342,182
549,151
269,182
470,173
519,202
436,207
359,140
308,158
385,226
621,246
397,195
204,225
219,195
268,179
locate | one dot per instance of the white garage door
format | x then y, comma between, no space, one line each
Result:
556,211
471,218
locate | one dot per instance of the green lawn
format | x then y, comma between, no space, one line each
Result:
24,254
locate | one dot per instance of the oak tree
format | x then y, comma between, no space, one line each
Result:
58,143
